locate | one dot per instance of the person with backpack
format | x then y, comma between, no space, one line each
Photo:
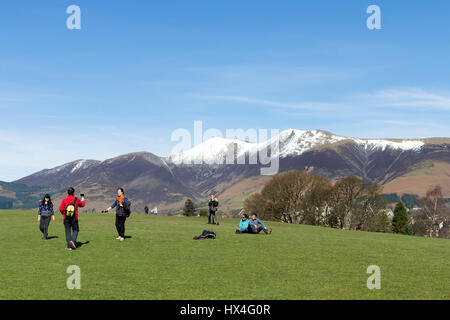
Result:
69,210
256,225
45,213
123,210
243,224
213,205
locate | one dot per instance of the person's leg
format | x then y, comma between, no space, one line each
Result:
209,216
118,225
260,228
41,226
76,229
46,223
68,230
122,229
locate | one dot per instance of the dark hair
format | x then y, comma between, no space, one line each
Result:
245,215
49,200
121,189
71,191
254,214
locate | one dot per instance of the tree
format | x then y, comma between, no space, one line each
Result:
189,208
346,197
400,219
203,212
383,222
434,213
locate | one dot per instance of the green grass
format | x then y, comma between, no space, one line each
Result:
161,261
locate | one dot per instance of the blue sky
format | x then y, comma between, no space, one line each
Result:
138,70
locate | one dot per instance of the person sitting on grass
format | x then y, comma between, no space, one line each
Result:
243,224
256,226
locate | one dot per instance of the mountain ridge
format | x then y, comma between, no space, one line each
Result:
167,181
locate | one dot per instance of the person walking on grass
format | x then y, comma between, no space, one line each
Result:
69,210
256,225
213,205
122,205
45,213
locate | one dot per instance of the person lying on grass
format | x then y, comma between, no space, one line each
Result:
256,225
243,224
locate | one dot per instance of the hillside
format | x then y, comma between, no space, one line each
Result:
167,181
163,262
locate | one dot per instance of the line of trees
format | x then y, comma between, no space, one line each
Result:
350,203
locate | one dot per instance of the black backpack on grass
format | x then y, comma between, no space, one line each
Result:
206,234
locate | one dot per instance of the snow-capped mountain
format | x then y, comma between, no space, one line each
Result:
196,172
288,143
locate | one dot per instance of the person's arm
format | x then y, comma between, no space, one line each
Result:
262,223
52,212
62,207
112,206
39,214
81,203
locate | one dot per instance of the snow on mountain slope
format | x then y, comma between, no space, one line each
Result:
290,142
70,167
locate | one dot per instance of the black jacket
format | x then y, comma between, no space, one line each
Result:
213,204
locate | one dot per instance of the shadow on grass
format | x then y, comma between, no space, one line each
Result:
80,244
52,237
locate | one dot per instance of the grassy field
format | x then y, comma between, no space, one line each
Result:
161,261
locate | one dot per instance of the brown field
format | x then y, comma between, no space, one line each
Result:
419,181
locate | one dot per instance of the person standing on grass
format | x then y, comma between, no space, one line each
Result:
256,225
69,209
122,205
45,213
213,204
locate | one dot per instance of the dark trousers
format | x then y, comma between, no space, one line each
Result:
211,216
72,229
120,225
43,226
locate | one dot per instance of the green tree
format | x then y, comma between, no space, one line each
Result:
189,208
203,212
383,222
400,219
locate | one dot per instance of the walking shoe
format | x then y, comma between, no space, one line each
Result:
270,231
118,238
121,239
67,248
72,244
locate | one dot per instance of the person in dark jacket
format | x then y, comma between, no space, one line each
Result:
213,204
71,219
45,213
121,215
146,210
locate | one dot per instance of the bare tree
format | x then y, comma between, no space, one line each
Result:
433,213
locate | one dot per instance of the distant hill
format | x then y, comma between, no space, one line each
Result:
401,165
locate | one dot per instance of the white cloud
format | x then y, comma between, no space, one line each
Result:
277,104
409,98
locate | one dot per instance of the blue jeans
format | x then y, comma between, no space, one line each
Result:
258,229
